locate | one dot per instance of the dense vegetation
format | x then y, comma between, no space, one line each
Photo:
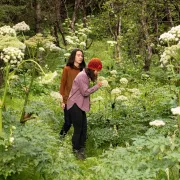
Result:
134,122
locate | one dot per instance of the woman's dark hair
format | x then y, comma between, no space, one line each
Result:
90,74
72,59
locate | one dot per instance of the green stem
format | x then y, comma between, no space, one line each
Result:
27,95
0,121
31,60
4,95
179,105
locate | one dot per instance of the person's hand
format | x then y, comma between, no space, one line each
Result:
99,84
62,105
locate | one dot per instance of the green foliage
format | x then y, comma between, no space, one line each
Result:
6,41
150,157
34,148
9,13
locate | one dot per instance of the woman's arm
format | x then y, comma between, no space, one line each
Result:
83,84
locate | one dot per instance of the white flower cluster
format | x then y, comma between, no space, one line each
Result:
101,78
144,76
14,77
111,43
121,98
41,49
97,99
79,37
115,91
176,111
52,47
22,26
166,37
123,81
72,40
168,54
48,78
11,140
157,123
135,92
83,44
7,30
84,30
12,55
122,89
56,95
113,72
172,35
67,54
105,83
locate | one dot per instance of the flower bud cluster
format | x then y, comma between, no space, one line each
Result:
22,26
172,35
123,81
157,123
7,30
52,47
12,55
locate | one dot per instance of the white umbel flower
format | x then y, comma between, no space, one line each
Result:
22,26
11,140
176,111
12,55
7,30
123,81
56,95
115,91
97,99
105,83
157,123
121,98
113,72
48,78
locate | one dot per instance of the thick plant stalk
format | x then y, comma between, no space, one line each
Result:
179,115
27,96
0,121
4,97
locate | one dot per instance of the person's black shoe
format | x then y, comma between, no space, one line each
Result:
79,154
61,136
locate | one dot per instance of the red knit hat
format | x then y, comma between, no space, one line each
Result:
95,64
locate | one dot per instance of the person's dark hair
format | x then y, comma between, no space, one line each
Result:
72,59
90,74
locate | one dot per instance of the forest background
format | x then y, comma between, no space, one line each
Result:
134,123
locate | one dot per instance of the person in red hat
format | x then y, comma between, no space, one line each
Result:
79,103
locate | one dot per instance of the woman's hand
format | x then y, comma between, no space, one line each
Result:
62,105
99,84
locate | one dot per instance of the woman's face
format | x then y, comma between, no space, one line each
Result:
96,73
78,58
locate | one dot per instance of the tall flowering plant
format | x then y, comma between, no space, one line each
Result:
170,57
12,57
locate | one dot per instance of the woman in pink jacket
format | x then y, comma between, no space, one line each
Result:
79,103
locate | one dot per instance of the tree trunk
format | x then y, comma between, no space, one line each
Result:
118,55
84,13
38,17
74,17
156,24
56,34
168,12
58,22
176,6
144,20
